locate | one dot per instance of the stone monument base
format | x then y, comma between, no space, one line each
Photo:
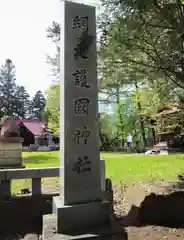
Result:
110,231
80,216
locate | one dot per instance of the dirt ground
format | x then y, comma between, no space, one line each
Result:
154,233
145,216
148,221
147,210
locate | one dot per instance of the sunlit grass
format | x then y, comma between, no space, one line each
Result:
128,168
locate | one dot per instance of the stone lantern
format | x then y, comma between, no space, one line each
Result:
10,145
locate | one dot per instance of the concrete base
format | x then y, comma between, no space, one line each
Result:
111,231
80,216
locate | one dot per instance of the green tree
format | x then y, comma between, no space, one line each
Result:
8,88
118,81
138,48
150,33
23,102
52,108
38,105
53,33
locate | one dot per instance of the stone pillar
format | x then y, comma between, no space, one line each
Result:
80,203
37,142
50,140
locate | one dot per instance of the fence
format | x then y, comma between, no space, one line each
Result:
35,174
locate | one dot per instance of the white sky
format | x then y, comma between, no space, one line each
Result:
23,39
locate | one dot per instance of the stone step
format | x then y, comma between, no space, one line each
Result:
113,231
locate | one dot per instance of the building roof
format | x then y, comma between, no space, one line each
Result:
168,112
34,126
169,109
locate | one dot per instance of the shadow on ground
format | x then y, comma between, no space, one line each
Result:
22,218
23,215
159,210
178,186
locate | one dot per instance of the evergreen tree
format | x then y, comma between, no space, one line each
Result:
22,102
8,88
38,105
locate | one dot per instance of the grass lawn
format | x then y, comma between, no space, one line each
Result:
127,168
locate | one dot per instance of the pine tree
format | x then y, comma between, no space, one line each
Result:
22,102
8,87
38,105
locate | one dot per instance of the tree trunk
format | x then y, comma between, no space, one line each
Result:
136,139
153,132
141,118
120,115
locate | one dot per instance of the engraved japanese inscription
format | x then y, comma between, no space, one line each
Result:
82,136
82,165
85,40
81,106
80,22
80,78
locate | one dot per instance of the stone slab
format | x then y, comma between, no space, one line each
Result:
80,216
14,166
111,231
79,129
9,174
